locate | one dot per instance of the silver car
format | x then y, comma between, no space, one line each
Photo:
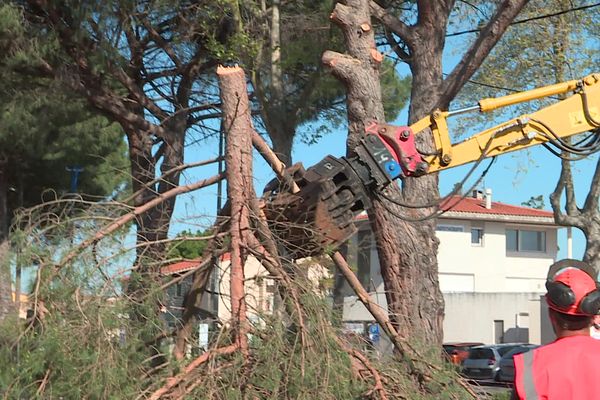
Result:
507,363
483,361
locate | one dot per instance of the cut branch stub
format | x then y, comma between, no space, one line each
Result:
357,68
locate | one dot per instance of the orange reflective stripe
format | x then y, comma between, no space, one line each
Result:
528,384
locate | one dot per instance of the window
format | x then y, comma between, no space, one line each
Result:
449,228
179,291
523,240
477,236
511,240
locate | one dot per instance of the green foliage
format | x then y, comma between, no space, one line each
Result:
91,341
45,129
538,53
282,367
186,246
281,370
73,348
10,26
535,202
83,344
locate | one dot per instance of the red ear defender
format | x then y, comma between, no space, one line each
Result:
572,288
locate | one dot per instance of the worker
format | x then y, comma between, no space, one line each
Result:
566,369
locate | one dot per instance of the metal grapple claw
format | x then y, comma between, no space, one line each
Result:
321,215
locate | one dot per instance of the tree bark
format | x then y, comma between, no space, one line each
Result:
240,190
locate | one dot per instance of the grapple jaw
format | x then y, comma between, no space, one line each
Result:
321,215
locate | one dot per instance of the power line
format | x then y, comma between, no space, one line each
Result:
471,81
522,21
507,89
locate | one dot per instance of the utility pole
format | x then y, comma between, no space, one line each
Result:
220,168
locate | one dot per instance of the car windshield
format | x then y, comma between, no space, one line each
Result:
504,350
481,353
516,350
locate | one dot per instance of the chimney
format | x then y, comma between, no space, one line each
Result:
477,194
488,198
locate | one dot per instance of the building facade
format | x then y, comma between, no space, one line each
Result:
492,262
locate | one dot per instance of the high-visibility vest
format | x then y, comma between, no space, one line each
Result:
566,369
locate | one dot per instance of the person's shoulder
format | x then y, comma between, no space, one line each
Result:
590,341
583,342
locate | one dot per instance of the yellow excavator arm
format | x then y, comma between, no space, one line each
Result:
575,114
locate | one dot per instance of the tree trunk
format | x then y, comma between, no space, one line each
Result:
240,190
282,140
407,251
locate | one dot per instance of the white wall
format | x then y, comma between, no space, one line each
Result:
258,299
464,267
480,283
471,316
259,292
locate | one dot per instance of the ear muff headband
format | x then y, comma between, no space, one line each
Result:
561,295
569,263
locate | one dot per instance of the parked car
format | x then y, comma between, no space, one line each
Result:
483,361
507,363
456,352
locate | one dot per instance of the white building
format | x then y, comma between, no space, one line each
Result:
493,259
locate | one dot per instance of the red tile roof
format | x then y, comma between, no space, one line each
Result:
473,205
477,206
362,215
180,266
187,265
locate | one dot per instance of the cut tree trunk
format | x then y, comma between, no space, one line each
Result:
238,130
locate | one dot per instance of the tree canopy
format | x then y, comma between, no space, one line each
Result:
46,130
